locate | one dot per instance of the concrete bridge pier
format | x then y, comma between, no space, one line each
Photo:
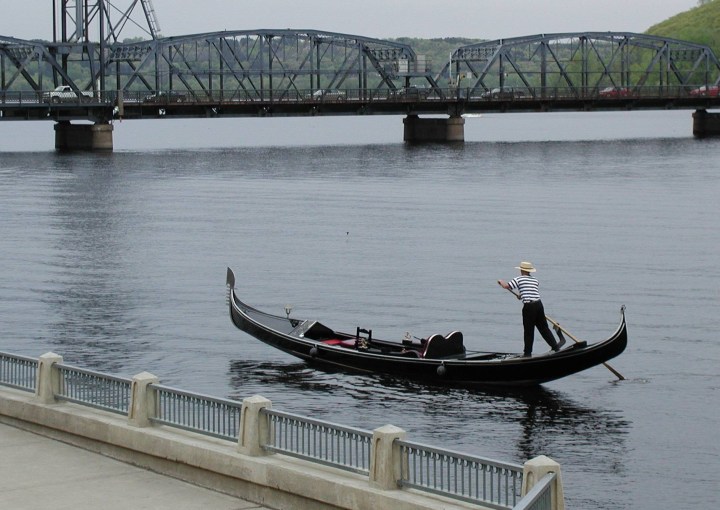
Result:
83,137
434,130
706,124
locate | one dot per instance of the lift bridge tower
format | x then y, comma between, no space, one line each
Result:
83,30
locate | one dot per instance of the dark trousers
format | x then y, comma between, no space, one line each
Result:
534,317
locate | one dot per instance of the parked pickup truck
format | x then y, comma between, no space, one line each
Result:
65,94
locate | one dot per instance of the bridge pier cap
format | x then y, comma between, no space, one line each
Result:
706,123
96,137
419,130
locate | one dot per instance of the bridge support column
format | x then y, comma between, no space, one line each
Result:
706,124
83,137
434,130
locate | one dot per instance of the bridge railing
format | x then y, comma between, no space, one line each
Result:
416,95
398,462
20,97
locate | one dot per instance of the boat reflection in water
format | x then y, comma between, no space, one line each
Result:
493,422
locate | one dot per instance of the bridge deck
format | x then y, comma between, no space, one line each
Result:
451,103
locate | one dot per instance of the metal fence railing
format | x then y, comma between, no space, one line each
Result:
477,480
211,416
491,483
319,441
18,371
94,389
540,496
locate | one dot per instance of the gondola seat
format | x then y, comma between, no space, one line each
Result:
450,346
350,344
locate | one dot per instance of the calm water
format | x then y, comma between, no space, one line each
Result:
117,262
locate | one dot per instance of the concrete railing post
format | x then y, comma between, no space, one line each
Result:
254,427
142,400
385,458
47,383
535,469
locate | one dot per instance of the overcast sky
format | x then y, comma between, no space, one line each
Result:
482,19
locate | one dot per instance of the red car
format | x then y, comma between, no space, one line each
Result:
705,91
615,92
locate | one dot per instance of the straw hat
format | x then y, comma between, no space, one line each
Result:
526,266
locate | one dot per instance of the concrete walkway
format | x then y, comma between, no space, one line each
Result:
38,472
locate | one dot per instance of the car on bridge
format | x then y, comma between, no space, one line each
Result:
705,91
65,94
503,93
412,92
328,95
165,97
613,92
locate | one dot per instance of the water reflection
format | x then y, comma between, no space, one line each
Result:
87,206
526,421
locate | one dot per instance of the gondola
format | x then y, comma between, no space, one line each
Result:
437,359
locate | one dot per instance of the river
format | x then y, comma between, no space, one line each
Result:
117,262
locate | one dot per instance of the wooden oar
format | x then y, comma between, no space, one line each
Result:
560,328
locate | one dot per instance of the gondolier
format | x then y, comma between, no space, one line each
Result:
533,312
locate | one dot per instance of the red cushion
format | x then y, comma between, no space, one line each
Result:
341,342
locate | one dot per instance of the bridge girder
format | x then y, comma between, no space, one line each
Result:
290,64
246,63
260,62
582,63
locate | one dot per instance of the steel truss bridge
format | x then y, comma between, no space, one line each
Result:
309,72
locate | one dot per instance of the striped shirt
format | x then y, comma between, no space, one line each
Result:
527,286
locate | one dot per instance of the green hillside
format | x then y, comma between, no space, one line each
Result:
699,25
